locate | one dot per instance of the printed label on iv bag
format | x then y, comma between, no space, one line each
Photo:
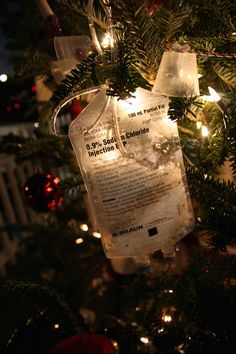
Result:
142,204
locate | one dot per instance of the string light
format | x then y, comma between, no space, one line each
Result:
84,227
160,330
199,124
145,340
56,325
214,97
3,77
106,40
170,291
79,240
181,348
115,345
96,234
166,318
204,131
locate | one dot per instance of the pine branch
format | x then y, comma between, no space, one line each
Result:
31,66
77,6
226,71
211,191
42,297
79,78
232,148
48,150
170,23
146,36
71,187
225,12
211,18
182,107
218,200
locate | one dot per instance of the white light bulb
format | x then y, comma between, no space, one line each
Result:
199,124
106,40
79,240
3,77
214,95
144,340
166,318
204,131
96,234
84,227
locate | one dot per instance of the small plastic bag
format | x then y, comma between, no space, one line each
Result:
139,192
70,51
177,75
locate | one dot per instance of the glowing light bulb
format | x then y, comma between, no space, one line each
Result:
96,234
170,291
214,95
166,318
204,131
106,40
56,325
79,240
3,77
145,340
84,227
115,345
56,180
199,124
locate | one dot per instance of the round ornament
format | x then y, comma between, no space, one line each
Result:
42,192
84,343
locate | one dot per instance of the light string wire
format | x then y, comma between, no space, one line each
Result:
215,55
65,102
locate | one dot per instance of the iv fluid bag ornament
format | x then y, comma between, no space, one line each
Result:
142,204
70,51
177,75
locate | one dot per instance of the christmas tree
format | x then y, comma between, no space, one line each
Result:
62,294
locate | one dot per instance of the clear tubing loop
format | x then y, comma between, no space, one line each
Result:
66,101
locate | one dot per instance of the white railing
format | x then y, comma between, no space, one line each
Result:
13,209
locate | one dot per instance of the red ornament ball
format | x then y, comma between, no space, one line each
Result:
84,343
42,192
